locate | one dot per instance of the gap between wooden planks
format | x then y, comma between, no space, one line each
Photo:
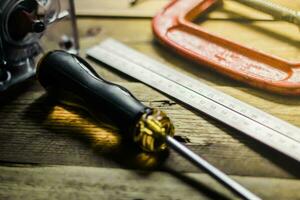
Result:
68,182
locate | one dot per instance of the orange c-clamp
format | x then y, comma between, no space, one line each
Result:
174,27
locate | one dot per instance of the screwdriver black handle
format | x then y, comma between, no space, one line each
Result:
73,81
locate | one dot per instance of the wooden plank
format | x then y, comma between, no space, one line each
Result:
276,38
91,31
59,182
34,130
119,8
18,127
148,8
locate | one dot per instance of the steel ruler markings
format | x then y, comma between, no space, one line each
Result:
204,90
201,88
218,105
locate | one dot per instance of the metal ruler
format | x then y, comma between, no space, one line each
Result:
251,121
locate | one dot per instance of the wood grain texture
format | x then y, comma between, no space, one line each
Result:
119,8
148,8
35,130
59,182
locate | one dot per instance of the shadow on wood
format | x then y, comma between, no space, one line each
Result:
103,138
282,161
201,187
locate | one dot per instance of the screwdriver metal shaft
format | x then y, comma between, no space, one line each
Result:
210,169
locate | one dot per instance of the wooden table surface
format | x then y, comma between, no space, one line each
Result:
52,152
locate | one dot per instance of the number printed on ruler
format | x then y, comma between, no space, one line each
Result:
255,123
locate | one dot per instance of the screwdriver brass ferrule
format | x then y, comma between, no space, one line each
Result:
152,129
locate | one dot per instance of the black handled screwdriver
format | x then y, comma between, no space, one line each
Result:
73,81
